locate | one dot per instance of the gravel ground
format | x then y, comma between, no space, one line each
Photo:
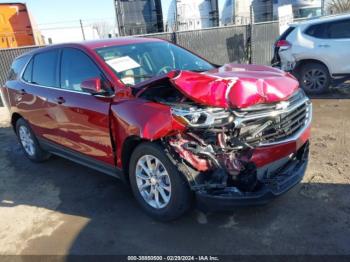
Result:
59,207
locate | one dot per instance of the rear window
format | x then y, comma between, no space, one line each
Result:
318,31
330,30
27,75
17,67
45,69
286,33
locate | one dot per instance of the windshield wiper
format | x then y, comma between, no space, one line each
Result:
142,76
198,70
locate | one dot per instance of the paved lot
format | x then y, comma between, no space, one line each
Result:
59,207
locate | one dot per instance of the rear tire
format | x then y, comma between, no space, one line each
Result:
314,78
152,173
29,142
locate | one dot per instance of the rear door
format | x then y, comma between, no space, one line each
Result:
338,46
10,90
82,119
33,96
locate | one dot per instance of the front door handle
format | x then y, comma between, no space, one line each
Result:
325,45
22,92
60,100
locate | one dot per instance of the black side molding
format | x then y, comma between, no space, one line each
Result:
81,159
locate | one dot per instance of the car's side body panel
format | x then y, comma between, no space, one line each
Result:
81,123
143,119
305,47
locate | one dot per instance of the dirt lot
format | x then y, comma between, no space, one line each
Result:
59,207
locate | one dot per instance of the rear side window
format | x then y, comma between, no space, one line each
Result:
27,75
17,67
286,33
318,31
76,67
339,29
45,69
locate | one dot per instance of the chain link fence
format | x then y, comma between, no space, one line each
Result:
6,58
263,37
219,45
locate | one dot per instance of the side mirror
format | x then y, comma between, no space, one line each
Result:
92,85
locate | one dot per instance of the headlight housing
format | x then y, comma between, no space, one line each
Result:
202,117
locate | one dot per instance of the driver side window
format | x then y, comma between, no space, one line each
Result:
76,67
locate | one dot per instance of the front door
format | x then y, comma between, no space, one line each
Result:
82,119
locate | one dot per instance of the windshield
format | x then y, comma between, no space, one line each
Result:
135,63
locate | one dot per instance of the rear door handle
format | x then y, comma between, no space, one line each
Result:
325,45
60,100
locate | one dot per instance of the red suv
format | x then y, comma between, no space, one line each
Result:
173,125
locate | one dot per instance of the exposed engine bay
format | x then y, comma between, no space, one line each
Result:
217,148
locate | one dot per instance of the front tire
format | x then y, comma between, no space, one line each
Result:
157,184
29,142
314,78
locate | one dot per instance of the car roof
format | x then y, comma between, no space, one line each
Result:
95,44
323,19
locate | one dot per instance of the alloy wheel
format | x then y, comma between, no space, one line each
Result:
314,80
26,140
153,181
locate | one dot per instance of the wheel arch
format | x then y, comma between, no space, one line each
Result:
128,148
14,118
303,62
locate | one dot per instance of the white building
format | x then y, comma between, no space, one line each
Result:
226,12
301,8
189,14
70,34
239,11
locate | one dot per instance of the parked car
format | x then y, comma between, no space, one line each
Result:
316,51
173,125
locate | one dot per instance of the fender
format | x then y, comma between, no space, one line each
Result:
143,119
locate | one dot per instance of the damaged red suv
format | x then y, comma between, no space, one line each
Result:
176,127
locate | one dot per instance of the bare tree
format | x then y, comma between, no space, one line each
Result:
103,29
338,6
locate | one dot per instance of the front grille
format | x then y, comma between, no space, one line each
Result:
273,125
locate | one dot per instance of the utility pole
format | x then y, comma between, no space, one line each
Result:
118,17
249,35
82,29
322,7
116,23
251,15
176,17
233,18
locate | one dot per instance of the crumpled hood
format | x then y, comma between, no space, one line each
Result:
236,86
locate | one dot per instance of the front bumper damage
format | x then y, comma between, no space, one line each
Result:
266,157
244,135
272,184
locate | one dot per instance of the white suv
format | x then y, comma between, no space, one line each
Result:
315,51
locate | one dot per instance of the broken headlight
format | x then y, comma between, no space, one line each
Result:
202,117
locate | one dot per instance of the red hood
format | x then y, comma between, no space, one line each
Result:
236,86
